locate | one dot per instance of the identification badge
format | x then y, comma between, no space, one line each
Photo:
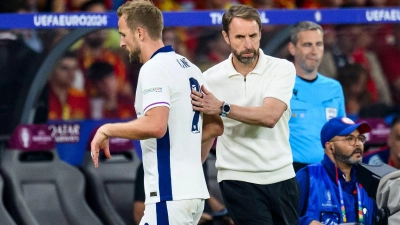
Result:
330,113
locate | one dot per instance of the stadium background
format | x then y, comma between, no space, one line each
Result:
194,29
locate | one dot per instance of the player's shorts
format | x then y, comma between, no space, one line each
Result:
180,212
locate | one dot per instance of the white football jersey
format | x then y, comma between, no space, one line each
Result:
172,164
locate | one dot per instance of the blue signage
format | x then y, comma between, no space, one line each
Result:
203,18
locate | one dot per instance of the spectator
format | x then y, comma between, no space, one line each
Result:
340,50
353,78
253,154
167,5
96,6
76,5
315,99
30,36
390,153
109,103
95,48
330,193
18,66
212,50
264,4
92,50
214,4
56,6
65,102
350,47
389,59
369,60
315,4
172,36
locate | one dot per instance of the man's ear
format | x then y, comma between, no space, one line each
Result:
329,146
226,37
140,33
291,48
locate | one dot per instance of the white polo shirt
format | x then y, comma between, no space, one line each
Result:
250,153
172,164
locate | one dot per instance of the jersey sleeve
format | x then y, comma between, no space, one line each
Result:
282,83
156,87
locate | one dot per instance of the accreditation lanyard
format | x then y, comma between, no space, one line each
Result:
343,209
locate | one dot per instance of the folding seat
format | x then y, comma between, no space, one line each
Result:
378,135
40,188
110,190
5,218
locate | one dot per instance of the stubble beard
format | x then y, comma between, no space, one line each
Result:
134,55
340,156
245,60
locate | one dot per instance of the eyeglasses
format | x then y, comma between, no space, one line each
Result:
352,139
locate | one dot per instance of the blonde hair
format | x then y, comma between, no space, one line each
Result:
143,13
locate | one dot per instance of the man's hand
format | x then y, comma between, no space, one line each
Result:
205,102
314,222
205,217
100,141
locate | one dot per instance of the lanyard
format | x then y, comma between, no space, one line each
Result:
343,209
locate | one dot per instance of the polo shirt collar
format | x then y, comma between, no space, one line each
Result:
167,48
258,69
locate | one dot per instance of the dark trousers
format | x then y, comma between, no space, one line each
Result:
256,204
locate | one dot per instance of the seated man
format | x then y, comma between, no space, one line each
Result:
108,103
390,153
66,102
330,193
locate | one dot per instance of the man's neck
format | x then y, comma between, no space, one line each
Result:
395,161
242,68
305,74
61,92
111,102
150,48
346,169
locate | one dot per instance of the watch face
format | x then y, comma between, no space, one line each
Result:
227,108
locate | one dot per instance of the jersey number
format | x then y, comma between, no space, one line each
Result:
194,85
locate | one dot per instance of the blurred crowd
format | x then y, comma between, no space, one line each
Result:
96,80
187,5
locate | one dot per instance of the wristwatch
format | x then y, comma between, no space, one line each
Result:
225,109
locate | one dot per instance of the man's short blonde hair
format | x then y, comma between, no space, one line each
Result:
143,13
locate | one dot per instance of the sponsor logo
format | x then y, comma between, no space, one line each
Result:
382,15
70,20
25,137
347,120
216,17
330,113
328,196
154,89
65,133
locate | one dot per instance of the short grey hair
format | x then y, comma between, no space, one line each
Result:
302,26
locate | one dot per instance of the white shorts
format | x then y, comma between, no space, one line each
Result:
181,212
